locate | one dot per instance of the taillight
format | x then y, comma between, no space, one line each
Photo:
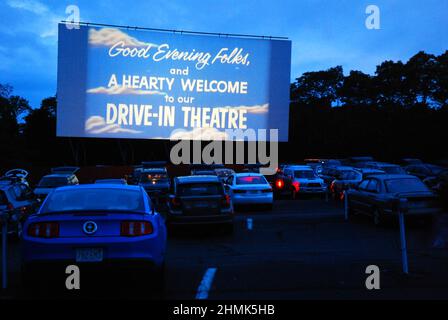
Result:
136,228
296,185
279,183
225,202
332,187
176,203
44,230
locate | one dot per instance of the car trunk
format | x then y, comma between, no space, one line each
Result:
201,205
420,200
108,224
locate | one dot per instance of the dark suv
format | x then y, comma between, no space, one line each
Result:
200,200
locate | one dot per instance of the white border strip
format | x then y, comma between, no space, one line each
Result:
206,284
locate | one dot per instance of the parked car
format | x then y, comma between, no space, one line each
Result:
111,181
424,171
17,202
249,189
303,180
19,175
410,161
367,172
357,161
105,225
377,196
200,200
204,169
439,185
224,173
386,167
345,178
61,176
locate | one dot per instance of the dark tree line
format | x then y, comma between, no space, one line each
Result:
401,110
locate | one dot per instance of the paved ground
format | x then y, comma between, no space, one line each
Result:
303,249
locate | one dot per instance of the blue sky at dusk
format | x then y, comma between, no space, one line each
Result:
324,33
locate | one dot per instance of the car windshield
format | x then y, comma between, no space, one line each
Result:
94,199
154,177
53,182
405,185
250,180
348,175
307,174
200,189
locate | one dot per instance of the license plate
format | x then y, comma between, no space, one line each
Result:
254,191
201,204
89,255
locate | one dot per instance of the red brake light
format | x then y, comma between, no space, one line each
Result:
279,183
225,203
44,230
296,185
136,228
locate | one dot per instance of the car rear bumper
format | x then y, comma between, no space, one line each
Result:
253,199
147,248
312,190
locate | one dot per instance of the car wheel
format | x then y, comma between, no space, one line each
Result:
293,194
377,218
229,228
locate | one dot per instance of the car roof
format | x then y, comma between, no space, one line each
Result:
392,176
343,168
383,164
100,186
59,175
299,167
199,178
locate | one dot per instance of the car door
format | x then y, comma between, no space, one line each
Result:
355,197
370,196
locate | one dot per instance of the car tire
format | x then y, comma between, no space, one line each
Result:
229,228
377,218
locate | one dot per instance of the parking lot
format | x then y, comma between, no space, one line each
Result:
302,249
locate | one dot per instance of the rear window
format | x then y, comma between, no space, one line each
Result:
199,189
94,200
250,180
53,182
307,174
348,175
405,185
154,177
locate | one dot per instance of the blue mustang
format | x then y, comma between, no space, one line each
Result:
95,225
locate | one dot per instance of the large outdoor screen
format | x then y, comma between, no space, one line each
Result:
140,84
